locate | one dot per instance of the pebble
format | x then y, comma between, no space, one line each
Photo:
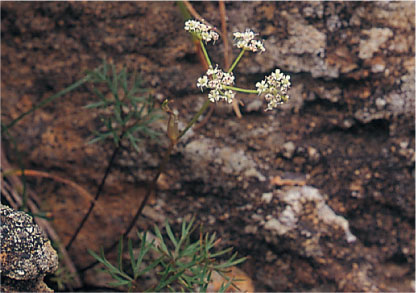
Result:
289,149
380,103
267,197
250,229
313,154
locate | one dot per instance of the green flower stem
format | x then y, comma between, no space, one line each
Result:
195,118
236,61
205,52
237,89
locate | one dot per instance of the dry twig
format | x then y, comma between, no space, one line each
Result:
27,172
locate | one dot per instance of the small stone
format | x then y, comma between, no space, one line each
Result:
380,103
252,172
267,197
289,149
250,229
404,144
377,64
211,220
256,217
313,154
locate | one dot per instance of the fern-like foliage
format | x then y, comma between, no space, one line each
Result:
127,108
180,263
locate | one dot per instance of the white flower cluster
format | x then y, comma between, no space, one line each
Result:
201,30
275,86
246,41
216,79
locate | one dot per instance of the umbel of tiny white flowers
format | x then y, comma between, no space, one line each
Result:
216,80
220,83
275,87
246,41
201,31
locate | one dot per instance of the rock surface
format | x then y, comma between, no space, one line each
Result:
348,129
26,253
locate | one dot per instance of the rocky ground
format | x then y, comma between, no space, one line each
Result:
319,194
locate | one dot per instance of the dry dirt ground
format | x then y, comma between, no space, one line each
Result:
348,131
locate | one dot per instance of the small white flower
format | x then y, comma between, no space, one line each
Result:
212,71
215,36
191,25
262,87
201,30
275,87
214,96
214,84
229,96
246,41
206,36
202,82
216,80
228,79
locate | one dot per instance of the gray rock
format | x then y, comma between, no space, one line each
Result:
26,253
376,37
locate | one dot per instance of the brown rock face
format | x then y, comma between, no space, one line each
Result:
348,131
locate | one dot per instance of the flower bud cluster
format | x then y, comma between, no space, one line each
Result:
201,30
216,80
246,41
275,88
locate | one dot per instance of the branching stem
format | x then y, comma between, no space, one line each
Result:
236,61
237,89
205,52
152,186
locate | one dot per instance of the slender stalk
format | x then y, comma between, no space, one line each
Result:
149,191
221,5
205,52
97,195
236,61
195,118
237,89
152,186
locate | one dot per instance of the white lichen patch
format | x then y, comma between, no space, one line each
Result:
376,37
206,157
295,200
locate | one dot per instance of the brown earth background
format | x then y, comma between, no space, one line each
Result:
348,131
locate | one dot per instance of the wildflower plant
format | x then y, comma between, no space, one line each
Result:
221,83
127,113
182,264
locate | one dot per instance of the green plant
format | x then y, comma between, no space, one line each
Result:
126,113
221,87
62,278
182,264
129,110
